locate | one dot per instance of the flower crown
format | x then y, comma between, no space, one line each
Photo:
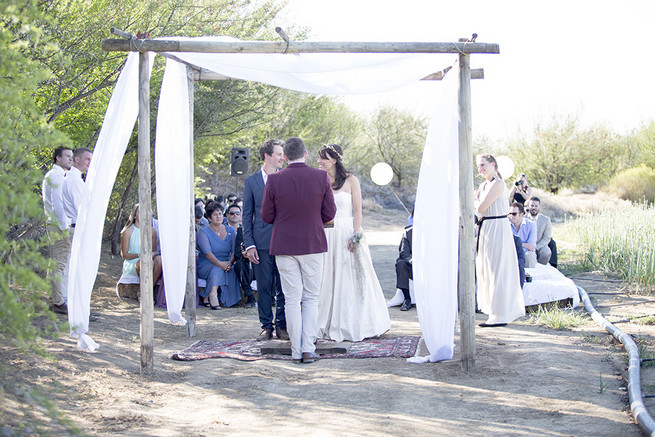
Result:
329,146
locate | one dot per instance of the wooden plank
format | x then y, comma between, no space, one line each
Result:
466,284
143,45
191,281
145,219
477,73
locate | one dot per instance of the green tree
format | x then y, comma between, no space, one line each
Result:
642,140
25,134
396,137
564,155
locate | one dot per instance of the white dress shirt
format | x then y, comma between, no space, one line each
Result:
52,192
72,193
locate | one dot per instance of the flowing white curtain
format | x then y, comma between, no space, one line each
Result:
173,177
108,153
435,236
436,227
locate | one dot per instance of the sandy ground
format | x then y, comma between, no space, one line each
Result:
529,380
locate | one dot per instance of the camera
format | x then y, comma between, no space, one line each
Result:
518,183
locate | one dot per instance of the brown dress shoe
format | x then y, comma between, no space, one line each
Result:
281,333
308,357
266,334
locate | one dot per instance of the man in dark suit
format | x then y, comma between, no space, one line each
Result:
298,201
404,267
257,240
241,263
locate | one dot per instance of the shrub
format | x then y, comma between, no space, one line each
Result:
564,155
636,184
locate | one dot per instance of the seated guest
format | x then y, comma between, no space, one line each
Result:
544,230
216,243
231,198
131,248
201,220
520,192
521,257
533,213
241,264
525,230
404,267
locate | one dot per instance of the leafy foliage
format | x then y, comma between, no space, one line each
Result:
23,130
396,137
643,141
24,135
636,184
563,155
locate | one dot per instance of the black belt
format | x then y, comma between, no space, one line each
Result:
479,225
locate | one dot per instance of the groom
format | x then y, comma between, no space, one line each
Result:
298,201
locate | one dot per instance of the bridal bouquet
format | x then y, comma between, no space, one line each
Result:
356,237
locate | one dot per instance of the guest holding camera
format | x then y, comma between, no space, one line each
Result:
521,191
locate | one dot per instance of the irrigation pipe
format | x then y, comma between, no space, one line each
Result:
644,420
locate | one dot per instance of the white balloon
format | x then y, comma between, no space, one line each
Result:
381,173
505,166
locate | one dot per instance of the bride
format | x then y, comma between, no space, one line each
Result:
351,305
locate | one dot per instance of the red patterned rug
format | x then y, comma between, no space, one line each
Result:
248,350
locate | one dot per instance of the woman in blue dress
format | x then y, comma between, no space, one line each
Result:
216,243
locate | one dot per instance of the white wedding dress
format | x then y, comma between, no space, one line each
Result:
351,305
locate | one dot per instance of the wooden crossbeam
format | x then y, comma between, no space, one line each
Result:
151,45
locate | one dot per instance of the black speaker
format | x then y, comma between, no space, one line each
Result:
239,161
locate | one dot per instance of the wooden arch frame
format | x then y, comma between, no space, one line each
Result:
464,47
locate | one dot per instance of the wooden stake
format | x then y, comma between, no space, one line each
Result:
191,281
145,219
466,283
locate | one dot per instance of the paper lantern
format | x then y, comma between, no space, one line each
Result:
381,173
505,166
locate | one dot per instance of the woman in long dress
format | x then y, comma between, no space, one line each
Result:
131,248
496,264
216,243
351,305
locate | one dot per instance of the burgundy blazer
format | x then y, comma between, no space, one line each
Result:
298,201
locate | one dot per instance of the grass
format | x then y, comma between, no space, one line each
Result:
618,243
556,318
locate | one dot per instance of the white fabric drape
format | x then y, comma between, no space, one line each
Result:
108,153
436,227
173,176
435,237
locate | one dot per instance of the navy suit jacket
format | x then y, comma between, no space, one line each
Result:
255,231
298,201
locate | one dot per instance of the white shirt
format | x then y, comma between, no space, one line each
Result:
72,193
265,176
53,204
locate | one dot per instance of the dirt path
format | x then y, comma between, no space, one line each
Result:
529,380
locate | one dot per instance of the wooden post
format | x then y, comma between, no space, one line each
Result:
145,219
191,281
466,283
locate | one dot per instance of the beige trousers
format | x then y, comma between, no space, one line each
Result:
301,283
60,249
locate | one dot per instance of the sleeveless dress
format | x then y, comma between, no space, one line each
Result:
351,305
209,241
129,265
496,264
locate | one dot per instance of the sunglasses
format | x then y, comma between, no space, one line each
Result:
514,213
234,213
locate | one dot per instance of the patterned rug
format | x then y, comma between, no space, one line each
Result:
248,350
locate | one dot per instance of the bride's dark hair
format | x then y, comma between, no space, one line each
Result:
334,151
